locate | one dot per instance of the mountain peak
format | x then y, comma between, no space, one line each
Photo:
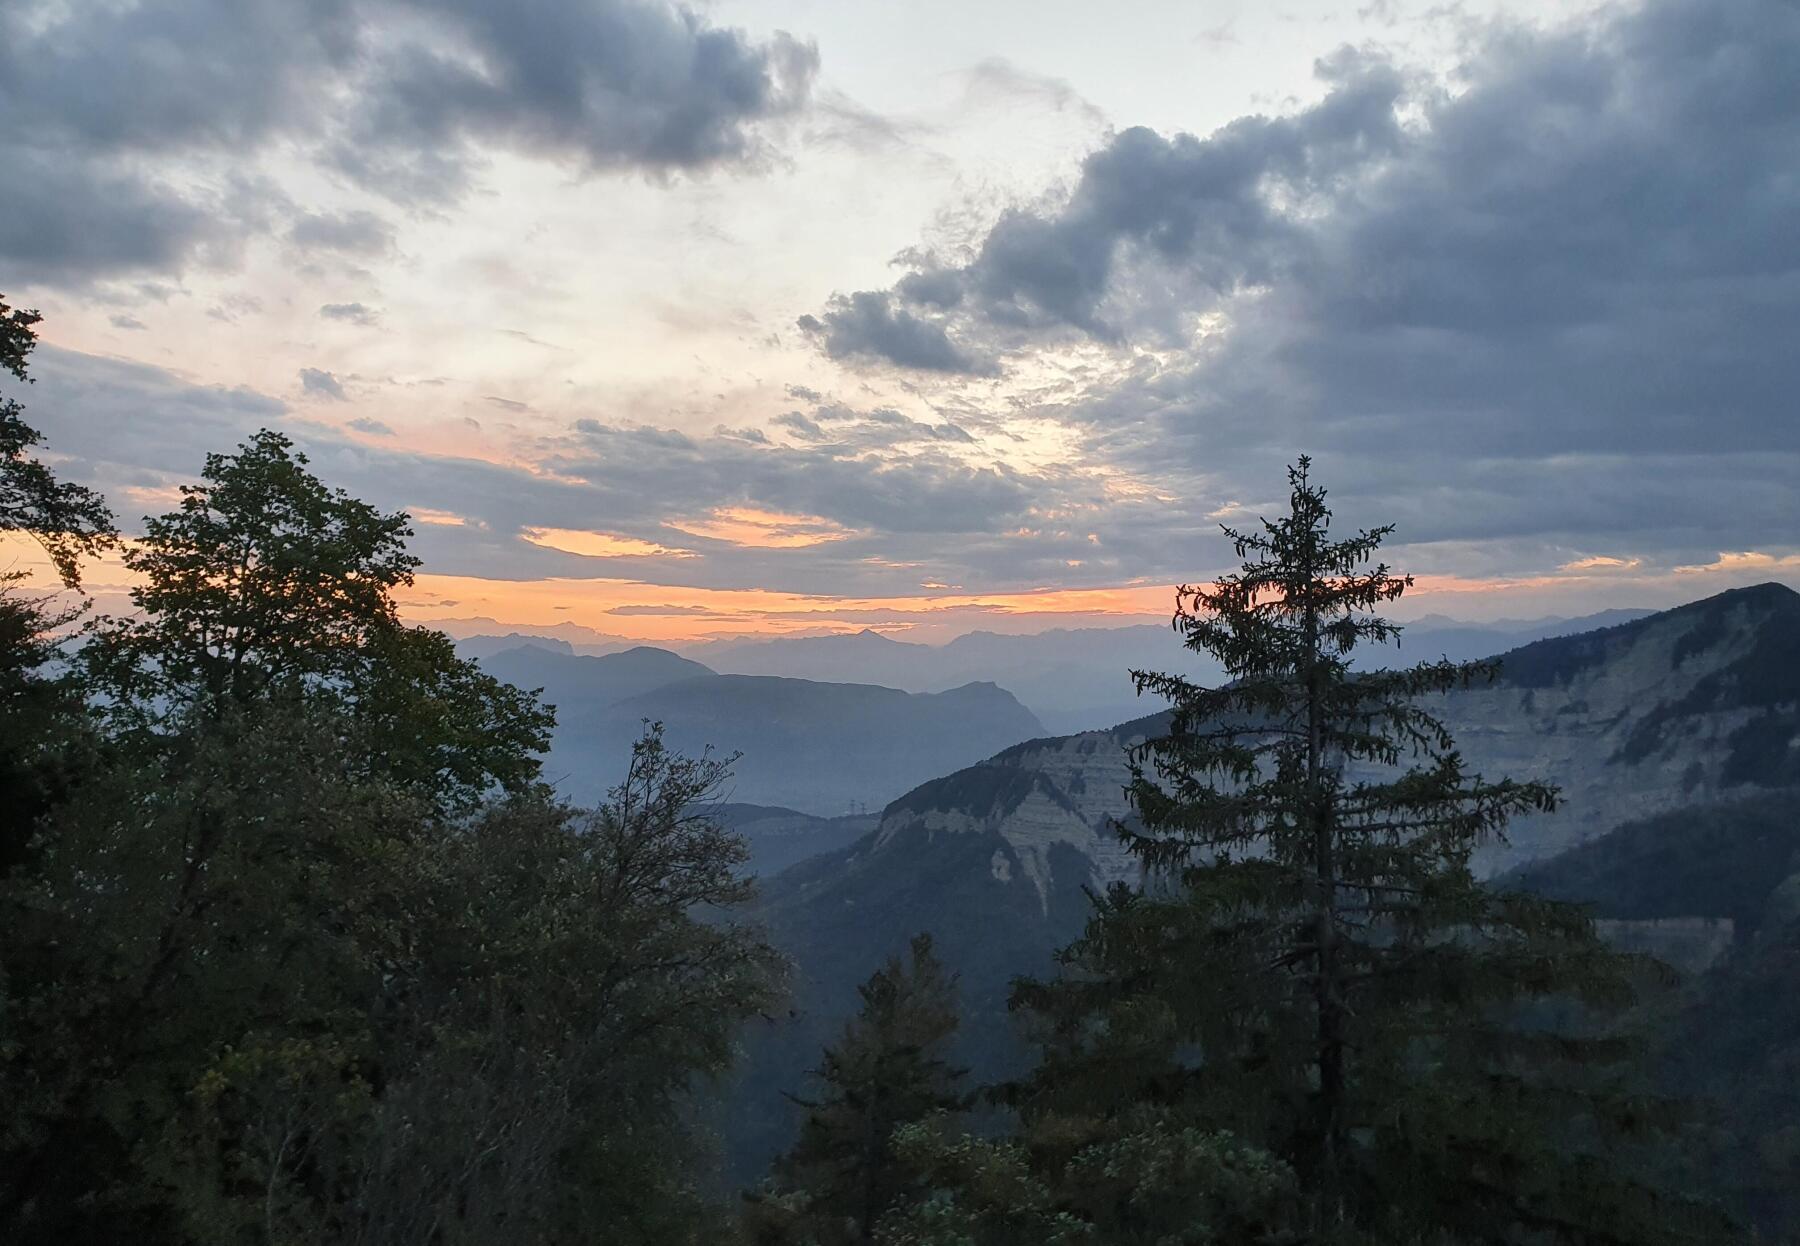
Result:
1771,591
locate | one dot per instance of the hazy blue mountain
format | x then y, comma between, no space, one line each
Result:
807,745
482,647
573,683
1078,679
865,657
1691,706
585,640
779,838
811,746
1069,678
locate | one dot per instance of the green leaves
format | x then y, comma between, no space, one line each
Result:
267,585
262,581
301,1005
70,521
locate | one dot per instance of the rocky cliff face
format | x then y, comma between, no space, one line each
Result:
1687,706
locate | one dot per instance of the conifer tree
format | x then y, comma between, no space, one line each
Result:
1310,961
888,1070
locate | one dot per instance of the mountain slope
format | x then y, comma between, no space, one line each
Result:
814,747
1688,705
572,683
1723,881
483,647
779,838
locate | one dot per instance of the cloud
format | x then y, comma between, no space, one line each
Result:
847,429
350,313
322,384
357,233
604,85
659,611
124,321
375,428
123,127
586,544
998,78
1547,307
129,424
73,220
867,327
606,500
1221,214
761,529
1601,562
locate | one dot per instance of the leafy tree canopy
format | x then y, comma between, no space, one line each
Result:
70,521
269,584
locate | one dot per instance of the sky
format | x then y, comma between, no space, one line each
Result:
765,316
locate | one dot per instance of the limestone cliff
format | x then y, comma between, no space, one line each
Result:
1683,707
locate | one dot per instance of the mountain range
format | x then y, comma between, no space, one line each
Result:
1682,709
815,747
1077,679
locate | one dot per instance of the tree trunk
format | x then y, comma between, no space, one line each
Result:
1326,996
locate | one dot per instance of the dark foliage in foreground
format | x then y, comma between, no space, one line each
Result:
298,947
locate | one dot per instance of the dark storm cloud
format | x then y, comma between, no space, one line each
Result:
90,92
400,94
71,219
867,326
1220,212
914,490
1553,307
607,84
119,421
322,383
847,430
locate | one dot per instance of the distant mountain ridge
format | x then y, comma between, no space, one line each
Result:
584,640
1074,679
574,682
778,838
816,747
479,647
807,744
